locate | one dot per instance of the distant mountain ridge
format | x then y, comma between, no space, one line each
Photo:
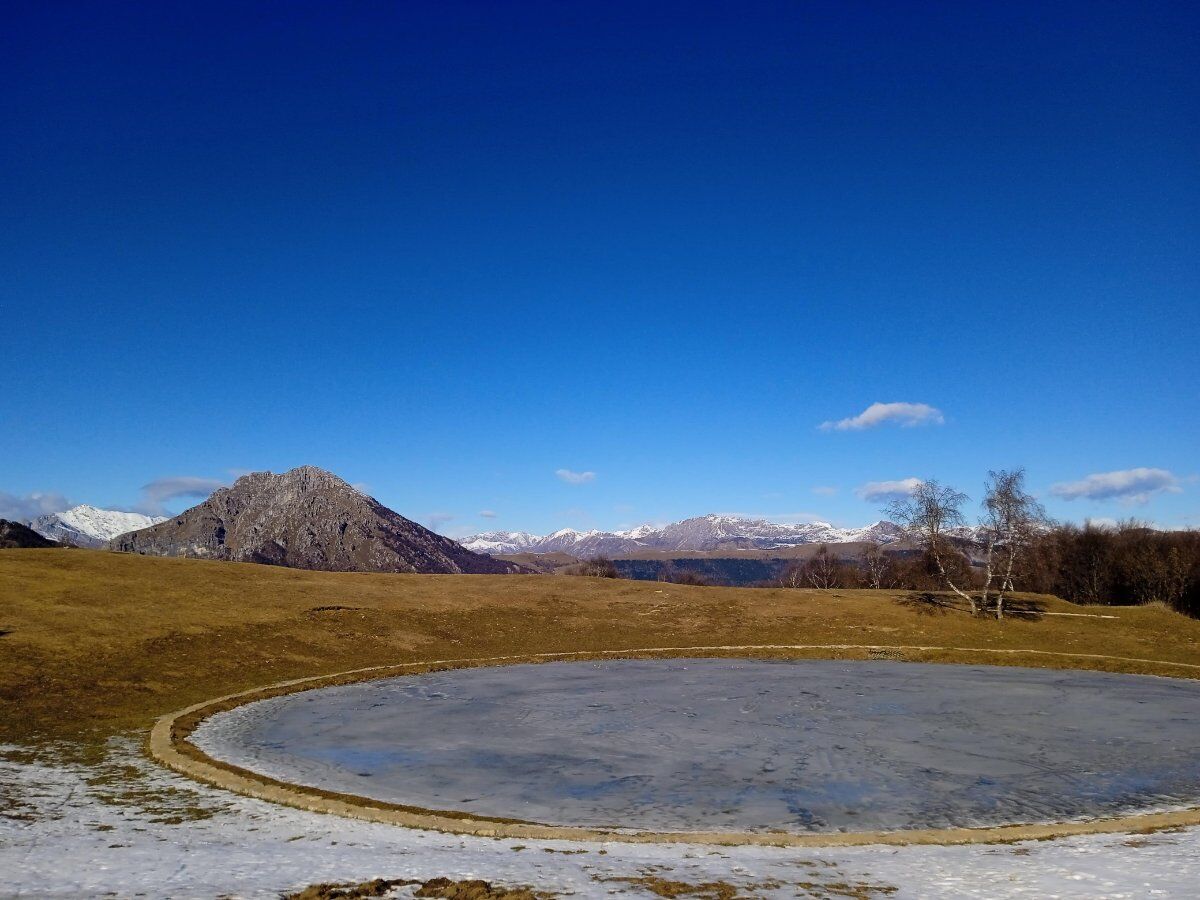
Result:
702,533
306,518
89,526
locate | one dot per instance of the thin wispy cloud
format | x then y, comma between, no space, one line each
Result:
906,415
875,491
162,490
434,521
487,514
1125,485
27,507
571,477
824,490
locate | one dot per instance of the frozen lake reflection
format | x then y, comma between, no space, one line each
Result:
742,745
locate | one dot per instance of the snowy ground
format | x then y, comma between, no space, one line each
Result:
124,827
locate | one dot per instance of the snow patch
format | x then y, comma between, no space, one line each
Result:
124,827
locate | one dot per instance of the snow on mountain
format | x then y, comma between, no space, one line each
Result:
499,542
87,526
711,532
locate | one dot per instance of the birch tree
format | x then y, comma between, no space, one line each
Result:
876,567
823,570
927,516
1012,519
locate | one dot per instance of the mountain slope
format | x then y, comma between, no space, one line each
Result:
87,526
14,536
306,519
703,533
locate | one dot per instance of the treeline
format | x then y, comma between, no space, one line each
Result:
1120,565
668,572
1129,563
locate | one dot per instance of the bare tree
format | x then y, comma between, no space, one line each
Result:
671,575
597,567
793,576
926,517
1012,520
822,571
876,567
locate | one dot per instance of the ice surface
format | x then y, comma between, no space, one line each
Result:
710,744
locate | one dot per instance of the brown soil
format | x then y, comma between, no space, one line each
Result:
660,887
378,887
467,889
476,890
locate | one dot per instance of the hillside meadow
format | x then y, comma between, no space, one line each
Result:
94,643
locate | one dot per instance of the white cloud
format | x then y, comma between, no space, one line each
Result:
824,490
575,477
904,414
30,506
1125,485
434,521
874,491
159,491
487,514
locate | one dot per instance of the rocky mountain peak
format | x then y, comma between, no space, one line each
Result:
305,518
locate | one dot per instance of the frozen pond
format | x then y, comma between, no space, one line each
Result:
744,745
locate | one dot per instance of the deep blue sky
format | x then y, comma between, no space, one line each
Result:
447,249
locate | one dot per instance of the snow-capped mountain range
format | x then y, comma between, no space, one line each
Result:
703,533
87,526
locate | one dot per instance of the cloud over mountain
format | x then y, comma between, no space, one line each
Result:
161,490
25,508
874,491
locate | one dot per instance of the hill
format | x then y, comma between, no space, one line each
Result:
14,535
306,518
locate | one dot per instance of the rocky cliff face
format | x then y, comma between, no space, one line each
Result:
306,519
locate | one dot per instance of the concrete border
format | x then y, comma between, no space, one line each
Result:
169,745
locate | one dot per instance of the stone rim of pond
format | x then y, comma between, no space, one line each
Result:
169,744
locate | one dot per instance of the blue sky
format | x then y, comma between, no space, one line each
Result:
447,250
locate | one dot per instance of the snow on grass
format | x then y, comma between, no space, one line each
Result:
124,826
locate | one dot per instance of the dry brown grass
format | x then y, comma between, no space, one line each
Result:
93,643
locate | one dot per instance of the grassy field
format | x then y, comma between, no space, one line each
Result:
92,643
